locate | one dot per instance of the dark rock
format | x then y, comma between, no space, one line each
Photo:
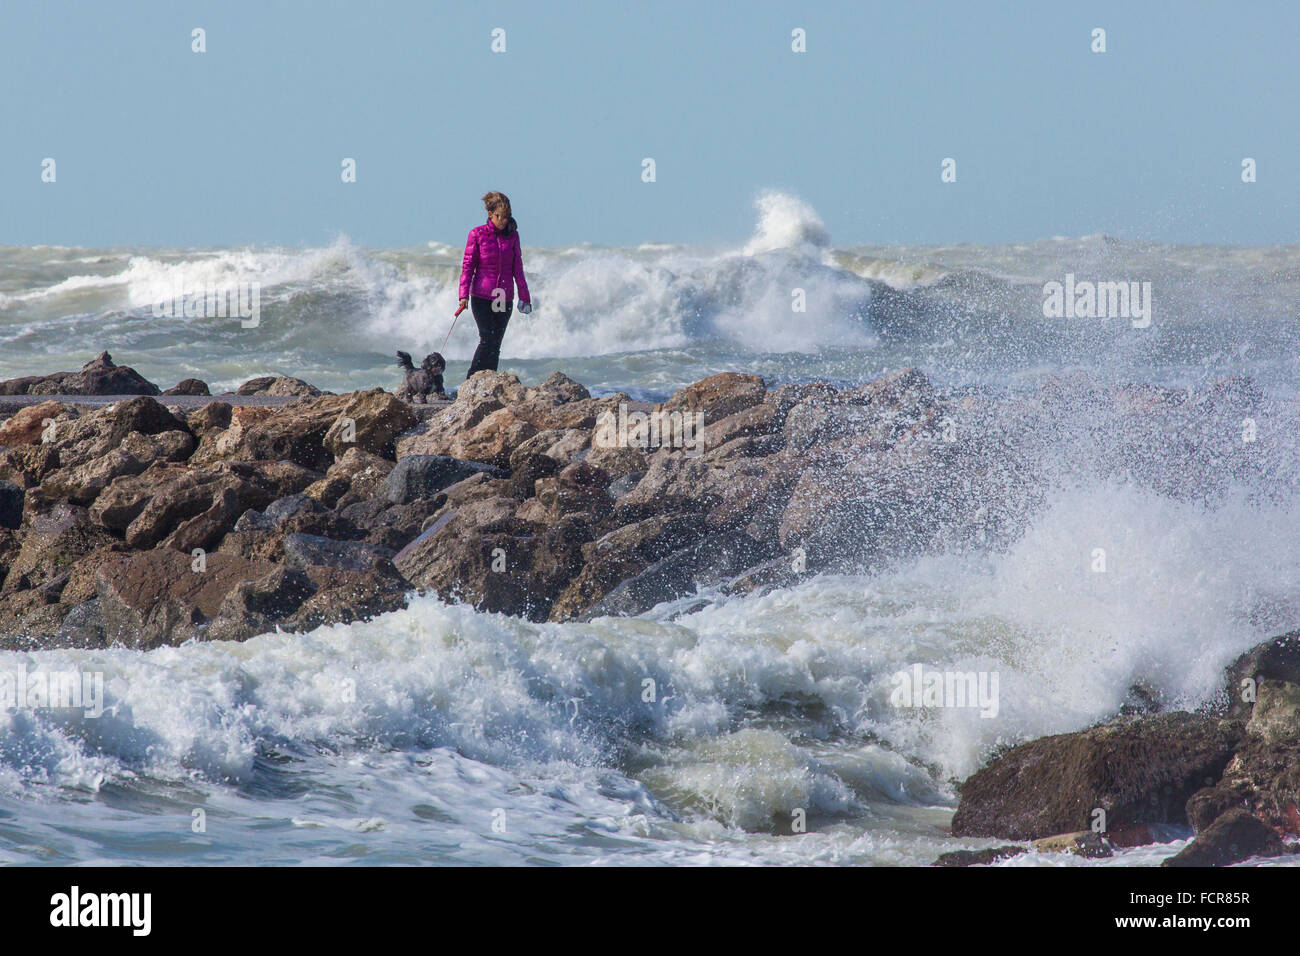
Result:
83,627
525,470
622,554
398,525
99,376
53,542
253,607
355,476
709,561
423,476
1264,775
979,857
1138,771
304,550
621,486
209,418
1277,659
27,465
157,597
189,386
578,488
344,597
278,385
11,504
1235,836
496,571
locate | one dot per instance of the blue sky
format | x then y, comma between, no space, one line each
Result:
158,145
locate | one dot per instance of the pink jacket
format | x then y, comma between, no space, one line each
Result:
493,260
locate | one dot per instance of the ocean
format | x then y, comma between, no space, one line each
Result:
700,731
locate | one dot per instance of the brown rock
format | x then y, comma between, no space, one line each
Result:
718,396
491,440
760,419
620,554
1139,771
344,597
294,433
376,418
52,544
99,376
1233,837
495,571
27,465
214,417
189,386
279,386
28,424
157,597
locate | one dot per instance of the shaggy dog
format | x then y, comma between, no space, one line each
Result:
420,382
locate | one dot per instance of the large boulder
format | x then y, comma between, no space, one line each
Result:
193,507
1139,772
494,416
578,488
82,483
53,542
709,561
422,476
157,597
369,421
495,570
99,376
27,465
354,477
254,607
344,597
28,425
294,433
1263,777
621,554
491,440
91,436
222,429
306,550
1235,836
718,396
278,386
189,386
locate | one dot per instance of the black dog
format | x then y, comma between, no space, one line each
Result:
420,382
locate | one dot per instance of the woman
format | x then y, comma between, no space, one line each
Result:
493,264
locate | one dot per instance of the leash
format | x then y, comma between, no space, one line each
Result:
452,329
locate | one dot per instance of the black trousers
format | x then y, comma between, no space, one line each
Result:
491,330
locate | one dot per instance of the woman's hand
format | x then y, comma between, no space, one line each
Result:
464,304
525,307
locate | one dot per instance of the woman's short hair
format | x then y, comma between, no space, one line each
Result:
494,201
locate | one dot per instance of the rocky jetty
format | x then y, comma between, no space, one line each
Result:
158,523
143,524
